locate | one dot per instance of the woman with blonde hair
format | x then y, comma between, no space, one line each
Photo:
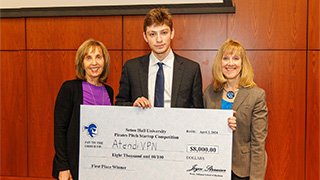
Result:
92,71
233,88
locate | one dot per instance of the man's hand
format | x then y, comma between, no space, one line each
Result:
142,102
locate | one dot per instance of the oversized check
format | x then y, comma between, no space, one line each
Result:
130,143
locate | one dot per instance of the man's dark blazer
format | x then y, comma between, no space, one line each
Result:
186,82
66,127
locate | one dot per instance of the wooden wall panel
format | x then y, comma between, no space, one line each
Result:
269,24
12,33
115,71
70,32
23,178
133,33
282,74
199,31
127,55
314,24
13,114
313,117
205,59
47,70
191,31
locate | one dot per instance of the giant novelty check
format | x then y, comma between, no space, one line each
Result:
130,143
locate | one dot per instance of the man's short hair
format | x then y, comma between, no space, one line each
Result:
157,17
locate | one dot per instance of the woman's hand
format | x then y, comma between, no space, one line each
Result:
65,175
232,121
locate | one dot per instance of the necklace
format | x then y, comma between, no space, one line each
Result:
230,94
94,99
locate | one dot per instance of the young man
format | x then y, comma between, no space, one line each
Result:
180,78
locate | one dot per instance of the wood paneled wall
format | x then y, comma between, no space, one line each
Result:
14,121
313,116
282,42
313,93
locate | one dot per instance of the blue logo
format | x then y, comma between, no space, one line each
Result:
92,130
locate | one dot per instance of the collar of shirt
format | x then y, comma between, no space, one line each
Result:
168,61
